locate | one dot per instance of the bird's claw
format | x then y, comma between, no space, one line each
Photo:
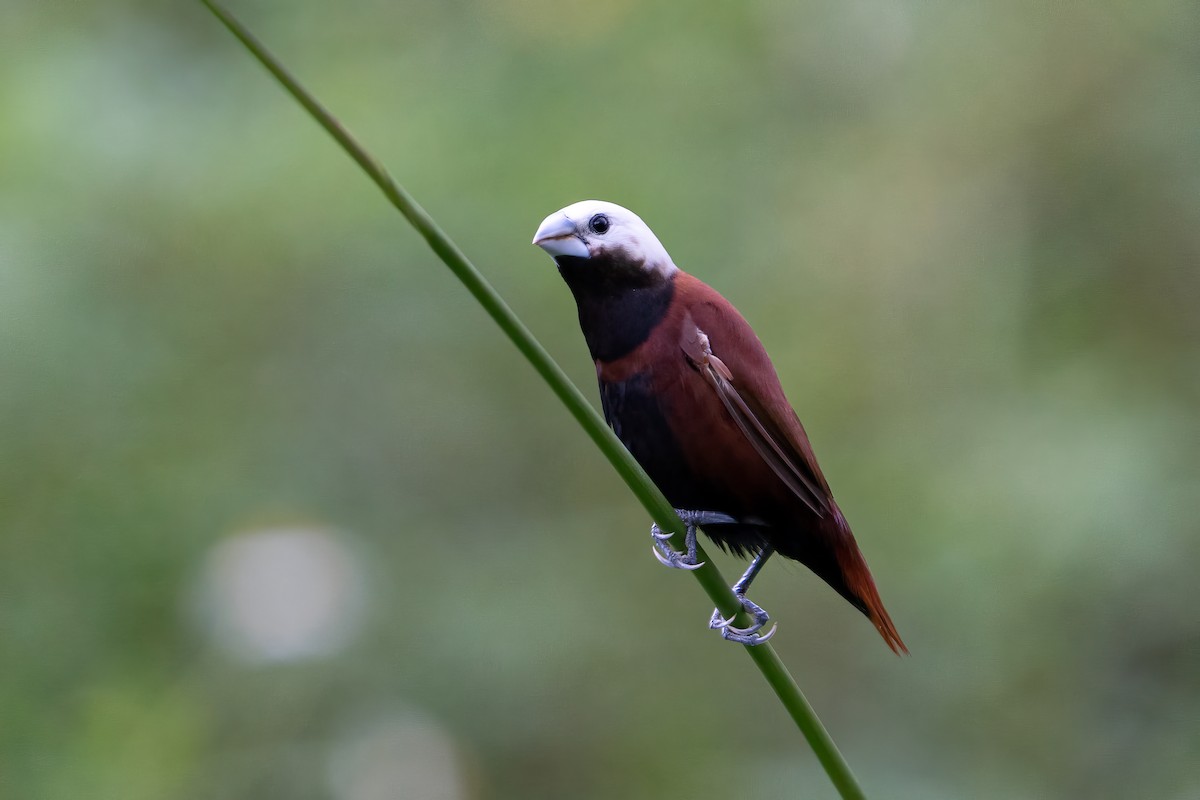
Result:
676,560
688,560
747,636
717,622
748,639
670,557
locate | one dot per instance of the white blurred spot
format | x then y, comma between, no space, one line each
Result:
410,757
282,594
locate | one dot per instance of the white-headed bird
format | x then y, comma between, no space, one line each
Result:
689,389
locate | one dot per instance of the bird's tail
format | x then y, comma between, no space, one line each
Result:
860,587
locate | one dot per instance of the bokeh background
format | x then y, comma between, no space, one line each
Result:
282,515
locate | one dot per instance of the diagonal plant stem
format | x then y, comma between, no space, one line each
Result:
656,504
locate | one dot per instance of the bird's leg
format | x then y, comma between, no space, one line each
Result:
669,555
748,635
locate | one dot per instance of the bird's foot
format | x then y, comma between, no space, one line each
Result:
746,636
671,557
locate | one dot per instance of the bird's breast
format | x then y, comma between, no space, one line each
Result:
638,415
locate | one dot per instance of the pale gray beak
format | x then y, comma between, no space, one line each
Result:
558,237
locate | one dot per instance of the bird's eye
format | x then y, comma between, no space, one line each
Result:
598,224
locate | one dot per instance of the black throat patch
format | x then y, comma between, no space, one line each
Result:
619,302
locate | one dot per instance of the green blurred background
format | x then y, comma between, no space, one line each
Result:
282,515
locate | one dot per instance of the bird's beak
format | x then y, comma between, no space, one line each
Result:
558,237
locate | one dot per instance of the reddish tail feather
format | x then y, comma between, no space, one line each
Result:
858,580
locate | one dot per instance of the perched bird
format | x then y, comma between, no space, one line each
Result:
689,389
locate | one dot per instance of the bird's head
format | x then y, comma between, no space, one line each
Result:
594,230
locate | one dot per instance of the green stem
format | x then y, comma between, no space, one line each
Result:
656,504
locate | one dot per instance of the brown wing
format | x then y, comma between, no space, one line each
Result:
771,443
719,342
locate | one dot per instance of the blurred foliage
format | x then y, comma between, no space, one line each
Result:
968,234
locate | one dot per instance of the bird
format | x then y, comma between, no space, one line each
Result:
688,388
